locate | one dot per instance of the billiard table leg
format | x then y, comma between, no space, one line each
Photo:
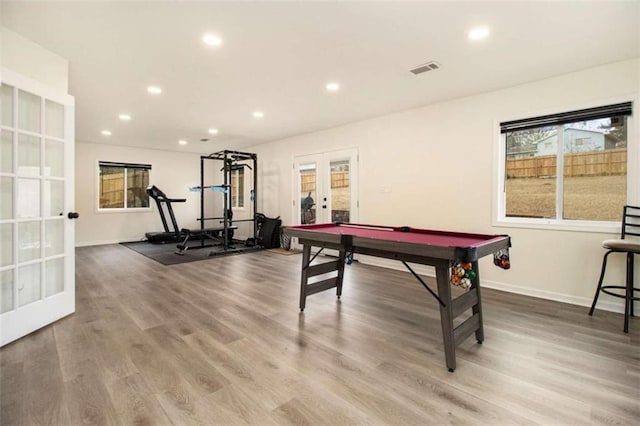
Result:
306,255
342,259
446,316
477,308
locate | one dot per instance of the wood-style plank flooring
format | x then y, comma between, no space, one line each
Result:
222,341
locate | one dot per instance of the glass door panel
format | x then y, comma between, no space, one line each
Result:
29,117
6,244
6,93
28,155
53,237
340,190
53,158
28,284
6,151
28,198
52,198
340,180
6,198
308,178
28,241
54,276
6,291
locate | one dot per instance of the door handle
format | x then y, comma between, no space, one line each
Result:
73,215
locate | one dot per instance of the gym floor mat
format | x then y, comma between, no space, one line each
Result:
285,252
164,253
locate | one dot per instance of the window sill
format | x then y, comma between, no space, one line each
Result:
560,225
127,210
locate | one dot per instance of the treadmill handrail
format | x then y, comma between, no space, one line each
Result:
172,200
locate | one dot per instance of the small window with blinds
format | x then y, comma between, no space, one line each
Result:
123,185
570,166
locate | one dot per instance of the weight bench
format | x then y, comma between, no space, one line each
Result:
202,234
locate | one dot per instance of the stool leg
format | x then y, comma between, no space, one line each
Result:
630,281
604,268
628,295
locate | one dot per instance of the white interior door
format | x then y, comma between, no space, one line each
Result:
308,189
339,202
326,187
37,263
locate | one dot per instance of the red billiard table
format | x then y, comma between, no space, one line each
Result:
440,249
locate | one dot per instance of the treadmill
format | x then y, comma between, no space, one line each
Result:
163,202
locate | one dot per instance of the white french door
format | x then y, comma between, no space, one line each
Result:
37,260
326,187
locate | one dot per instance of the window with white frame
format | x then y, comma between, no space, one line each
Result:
578,170
237,188
123,185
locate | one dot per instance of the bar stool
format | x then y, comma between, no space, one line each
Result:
630,226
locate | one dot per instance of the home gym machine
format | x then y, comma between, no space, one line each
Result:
163,202
221,238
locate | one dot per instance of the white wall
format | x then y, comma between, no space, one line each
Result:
172,172
439,162
29,59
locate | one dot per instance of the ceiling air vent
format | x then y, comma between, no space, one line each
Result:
429,66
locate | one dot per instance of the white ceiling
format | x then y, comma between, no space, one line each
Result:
277,57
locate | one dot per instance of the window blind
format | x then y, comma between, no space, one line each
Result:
126,165
621,109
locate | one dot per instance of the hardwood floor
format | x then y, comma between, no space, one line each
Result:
222,342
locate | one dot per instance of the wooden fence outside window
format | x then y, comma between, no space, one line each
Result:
600,163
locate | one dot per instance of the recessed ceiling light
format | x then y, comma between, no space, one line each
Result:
258,114
124,117
479,33
106,133
333,87
213,131
182,142
154,90
211,40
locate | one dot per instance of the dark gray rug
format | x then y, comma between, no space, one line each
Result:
164,253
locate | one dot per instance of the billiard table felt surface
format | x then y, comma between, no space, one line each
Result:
413,235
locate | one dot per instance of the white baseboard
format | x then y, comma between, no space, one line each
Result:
603,304
103,242
428,271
